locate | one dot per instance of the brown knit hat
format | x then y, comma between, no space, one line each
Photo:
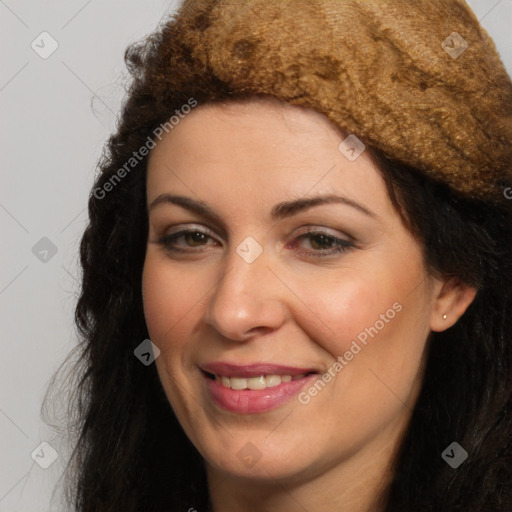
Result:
419,80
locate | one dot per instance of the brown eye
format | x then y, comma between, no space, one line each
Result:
187,240
319,244
195,238
321,241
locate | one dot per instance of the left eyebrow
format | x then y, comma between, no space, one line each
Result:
289,208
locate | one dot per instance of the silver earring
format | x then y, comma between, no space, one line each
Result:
444,317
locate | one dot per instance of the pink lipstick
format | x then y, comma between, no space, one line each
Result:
254,388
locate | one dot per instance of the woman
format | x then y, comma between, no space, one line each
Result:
305,210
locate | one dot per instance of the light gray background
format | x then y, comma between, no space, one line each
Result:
56,114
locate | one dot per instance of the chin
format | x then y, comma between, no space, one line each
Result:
267,469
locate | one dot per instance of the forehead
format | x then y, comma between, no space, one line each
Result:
261,151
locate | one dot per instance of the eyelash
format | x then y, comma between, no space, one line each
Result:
341,245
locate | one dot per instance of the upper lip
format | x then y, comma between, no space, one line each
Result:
253,370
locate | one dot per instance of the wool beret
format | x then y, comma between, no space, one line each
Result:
420,80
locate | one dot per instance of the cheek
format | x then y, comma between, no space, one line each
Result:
171,306
378,315
170,301
340,310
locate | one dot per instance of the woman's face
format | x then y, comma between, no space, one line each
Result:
276,262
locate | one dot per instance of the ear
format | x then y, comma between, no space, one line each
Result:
451,298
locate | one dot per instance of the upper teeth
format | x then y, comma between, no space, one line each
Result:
261,382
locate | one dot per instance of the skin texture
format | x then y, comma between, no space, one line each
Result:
288,306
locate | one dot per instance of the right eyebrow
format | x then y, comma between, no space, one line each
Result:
193,205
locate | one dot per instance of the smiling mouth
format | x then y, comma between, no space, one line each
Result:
254,383
253,388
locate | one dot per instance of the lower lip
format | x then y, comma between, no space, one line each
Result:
248,401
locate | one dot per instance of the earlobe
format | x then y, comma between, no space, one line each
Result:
450,303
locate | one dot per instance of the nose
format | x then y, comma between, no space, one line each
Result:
248,300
